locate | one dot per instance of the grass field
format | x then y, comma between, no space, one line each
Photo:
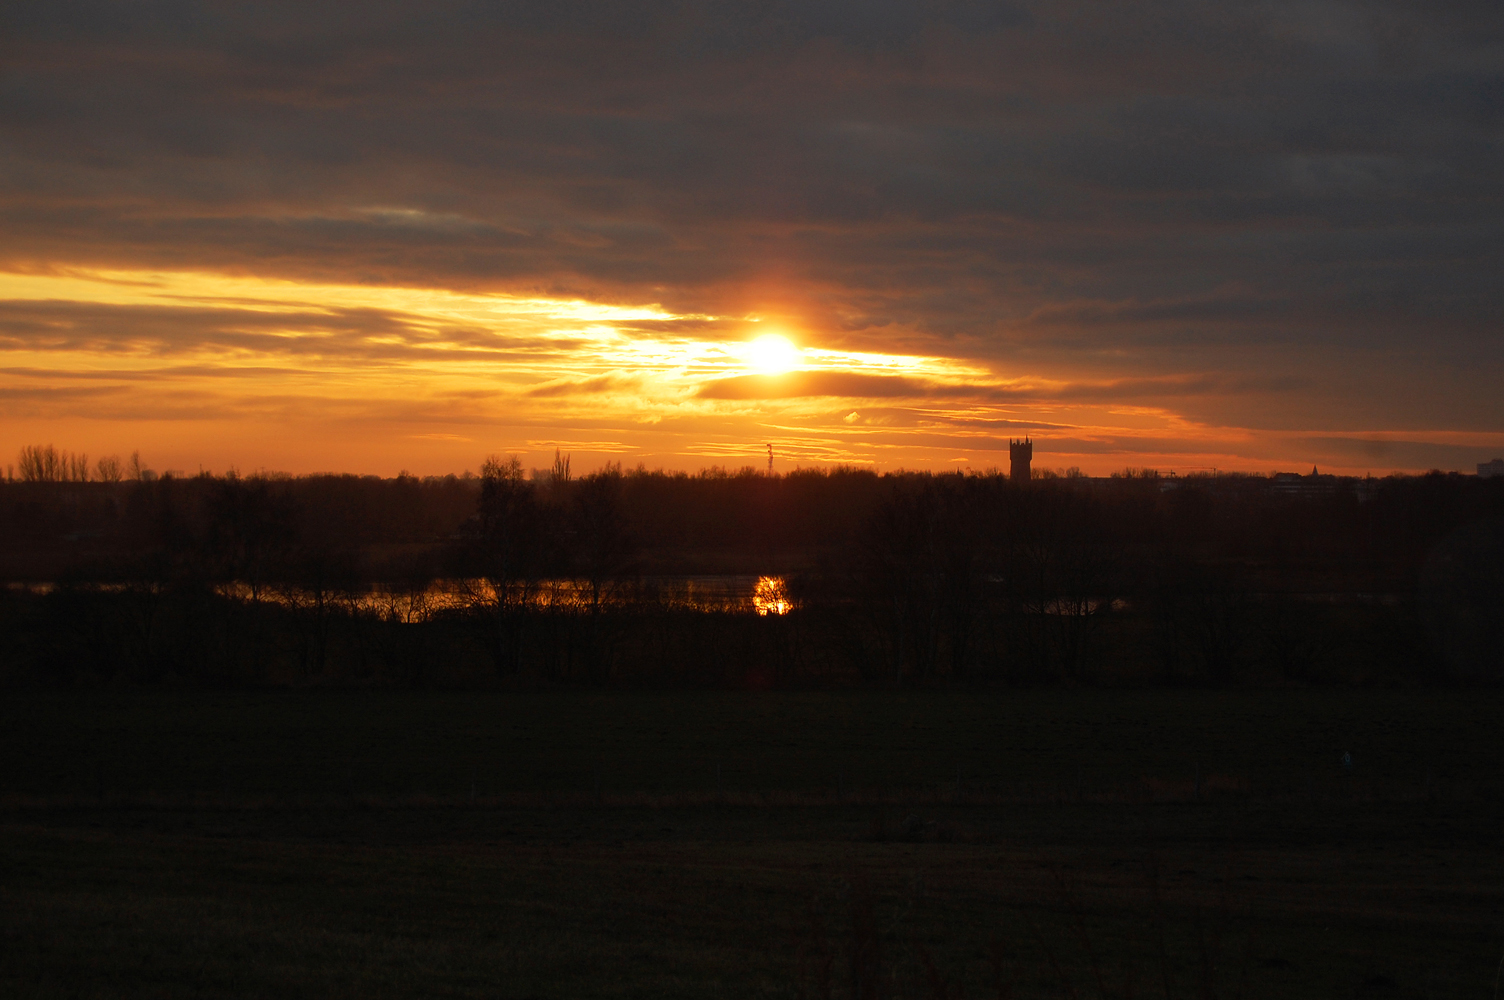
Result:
1056,843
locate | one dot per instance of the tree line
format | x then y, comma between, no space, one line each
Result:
47,464
897,579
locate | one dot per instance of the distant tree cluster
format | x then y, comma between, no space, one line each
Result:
46,464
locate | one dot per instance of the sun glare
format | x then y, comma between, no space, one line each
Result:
772,354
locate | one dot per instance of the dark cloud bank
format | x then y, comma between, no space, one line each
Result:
1276,191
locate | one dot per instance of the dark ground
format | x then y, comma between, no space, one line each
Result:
735,844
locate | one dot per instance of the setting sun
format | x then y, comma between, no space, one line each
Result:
772,354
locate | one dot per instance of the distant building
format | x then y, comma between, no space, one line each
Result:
1489,470
1021,453
1293,484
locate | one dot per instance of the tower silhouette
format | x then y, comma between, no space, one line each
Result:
1021,453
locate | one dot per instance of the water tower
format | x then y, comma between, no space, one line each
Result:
1021,453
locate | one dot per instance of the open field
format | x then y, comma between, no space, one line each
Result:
723,844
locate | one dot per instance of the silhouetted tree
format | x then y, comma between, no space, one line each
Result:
922,567
1058,564
250,529
601,542
109,469
508,517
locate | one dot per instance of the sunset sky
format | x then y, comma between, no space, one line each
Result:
378,236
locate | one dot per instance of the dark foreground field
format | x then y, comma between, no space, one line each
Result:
659,845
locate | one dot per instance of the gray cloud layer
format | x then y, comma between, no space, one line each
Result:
1156,190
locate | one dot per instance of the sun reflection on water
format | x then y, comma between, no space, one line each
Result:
771,596
710,594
